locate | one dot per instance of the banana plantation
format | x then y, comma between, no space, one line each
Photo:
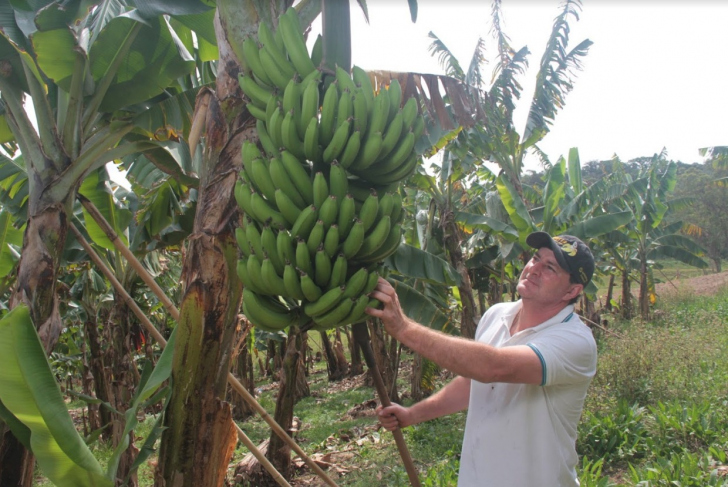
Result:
271,183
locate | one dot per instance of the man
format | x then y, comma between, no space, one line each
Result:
523,378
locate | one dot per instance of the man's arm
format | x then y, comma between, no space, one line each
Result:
467,358
450,399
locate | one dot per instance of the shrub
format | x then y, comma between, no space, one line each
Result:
620,435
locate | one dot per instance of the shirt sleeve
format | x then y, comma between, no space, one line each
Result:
567,352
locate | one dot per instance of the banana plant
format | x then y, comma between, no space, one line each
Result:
37,413
86,70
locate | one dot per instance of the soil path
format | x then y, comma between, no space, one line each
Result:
702,285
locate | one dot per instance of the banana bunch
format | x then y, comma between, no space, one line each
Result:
321,200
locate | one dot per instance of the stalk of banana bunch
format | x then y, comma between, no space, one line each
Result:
320,197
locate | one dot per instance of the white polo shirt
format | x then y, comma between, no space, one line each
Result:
520,435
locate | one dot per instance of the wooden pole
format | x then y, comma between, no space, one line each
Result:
361,335
232,380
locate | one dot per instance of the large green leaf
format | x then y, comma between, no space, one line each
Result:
575,171
57,52
600,225
9,235
155,60
420,309
471,221
416,263
515,206
97,191
677,253
553,195
29,391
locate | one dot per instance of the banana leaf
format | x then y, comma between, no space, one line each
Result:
29,391
600,225
471,221
95,189
420,309
419,264
515,207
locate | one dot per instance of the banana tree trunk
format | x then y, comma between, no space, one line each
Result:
452,240
644,298
610,293
200,437
336,368
626,296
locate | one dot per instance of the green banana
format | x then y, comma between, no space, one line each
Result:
354,240
292,96
253,236
309,106
278,73
310,290
271,277
257,93
274,126
335,316
242,272
360,111
372,281
394,91
369,210
284,247
386,204
252,59
357,313
368,153
344,80
294,42
287,207
389,246
311,147
409,113
320,189
269,244
329,211
299,175
276,53
327,125
317,51
289,136
351,150
242,197
338,142
402,172
292,283
355,284
281,180
262,314
242,241
345,110
322,267
256,276
265,139
303,257
338,272
347,210
331,240
391,136
316,237
263,212
323,304
255,111
375,239
397,209
262,180
249,152
380,113
361,79
338,181
418,127
400,154
305,222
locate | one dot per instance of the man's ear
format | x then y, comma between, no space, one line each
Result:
574,291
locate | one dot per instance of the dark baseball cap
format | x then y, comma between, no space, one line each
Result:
572,254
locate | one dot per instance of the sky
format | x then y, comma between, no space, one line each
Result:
656,76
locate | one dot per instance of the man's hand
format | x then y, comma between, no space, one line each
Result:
394,416
391,313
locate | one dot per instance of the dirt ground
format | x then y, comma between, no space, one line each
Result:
702,285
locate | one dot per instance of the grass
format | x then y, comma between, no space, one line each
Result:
656,413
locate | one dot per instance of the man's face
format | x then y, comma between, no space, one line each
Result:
544,281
